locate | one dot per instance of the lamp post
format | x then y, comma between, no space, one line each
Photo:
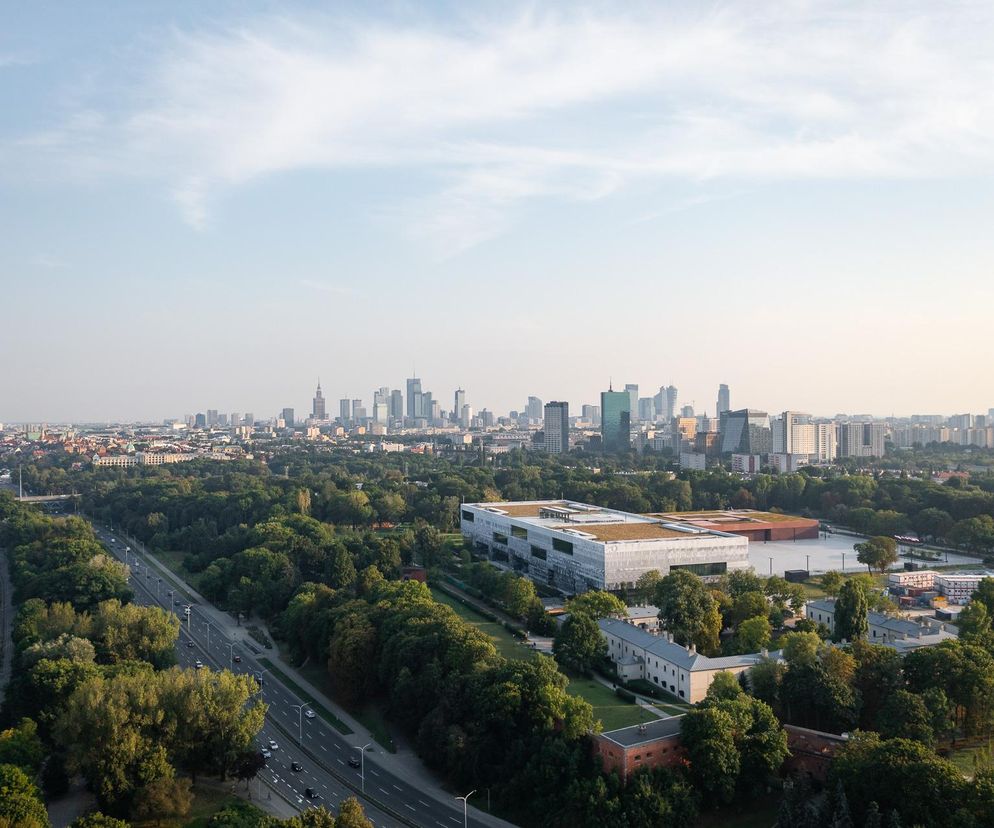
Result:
231,656
362,764
300,721
771,566
465,808
843,562
158,589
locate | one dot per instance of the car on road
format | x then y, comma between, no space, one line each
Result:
273,745
354,763
198,664
309,714
310,793
296,766
190,643
237,659
177,602
266,754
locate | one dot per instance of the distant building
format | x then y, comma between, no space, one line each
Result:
317,405
458,401
591,414
415,403
671,400
693,460
749,523
345,411
747,463
557,427
862,439
534,409
724,400
746,431
287,417
616,423
632,390
396,404
647,409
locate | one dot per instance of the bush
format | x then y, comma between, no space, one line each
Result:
622,693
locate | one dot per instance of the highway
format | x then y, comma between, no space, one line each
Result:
323,752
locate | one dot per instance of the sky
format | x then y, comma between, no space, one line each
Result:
211,205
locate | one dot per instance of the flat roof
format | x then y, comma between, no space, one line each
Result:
522,510
738,518
648,732
623,531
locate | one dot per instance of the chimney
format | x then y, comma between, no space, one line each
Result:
692,649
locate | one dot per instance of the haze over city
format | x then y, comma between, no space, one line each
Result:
215,206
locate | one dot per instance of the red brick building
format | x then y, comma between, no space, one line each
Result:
650,745
757,526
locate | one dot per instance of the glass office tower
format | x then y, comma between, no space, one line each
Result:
616,420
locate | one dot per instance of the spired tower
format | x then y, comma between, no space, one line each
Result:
317,409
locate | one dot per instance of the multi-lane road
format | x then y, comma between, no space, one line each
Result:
321,751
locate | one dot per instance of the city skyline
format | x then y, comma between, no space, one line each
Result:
789,199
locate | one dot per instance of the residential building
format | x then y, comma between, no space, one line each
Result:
747,463
826,442
696,461
913,579
786,463
616,423
658,659
211,417
958,587
534,409
900,634
862,439
591,414
557,427
575,546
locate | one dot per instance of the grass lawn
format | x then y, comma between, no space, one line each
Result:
208,799
173,561
508,646
613,711
964,758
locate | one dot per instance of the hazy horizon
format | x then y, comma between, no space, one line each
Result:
210,207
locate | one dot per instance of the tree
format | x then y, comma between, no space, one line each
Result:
904,715
974,624
747,605
579,644
351,815
688,611
879,553
741,581
831,582
22,747
753,635
597,604
162,798
784,594
708,736
984,594
851,612
645,585
20,800
98,820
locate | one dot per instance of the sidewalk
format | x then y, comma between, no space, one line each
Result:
405,762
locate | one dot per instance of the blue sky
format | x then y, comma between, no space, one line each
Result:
209,205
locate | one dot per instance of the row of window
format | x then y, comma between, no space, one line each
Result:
566,547
718,568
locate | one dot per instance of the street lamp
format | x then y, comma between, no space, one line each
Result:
771,566
362,764
300,721
843,561
231,656
158,589
465,808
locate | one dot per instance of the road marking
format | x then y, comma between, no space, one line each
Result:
340,762
424,803
324,748
454,819
408,806
399,788
373,772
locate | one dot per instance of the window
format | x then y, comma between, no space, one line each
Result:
702,569
538,552
499,537
519,532
468,516
566,547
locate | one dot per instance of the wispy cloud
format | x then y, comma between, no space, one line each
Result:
564,106
325,287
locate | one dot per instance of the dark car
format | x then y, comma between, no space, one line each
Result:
310,793
354,763
189,643
296,766
177,602
237,659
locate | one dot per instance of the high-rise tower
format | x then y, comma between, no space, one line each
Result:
317,406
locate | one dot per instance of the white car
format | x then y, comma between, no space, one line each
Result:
198,664
273,745
265,753
309,714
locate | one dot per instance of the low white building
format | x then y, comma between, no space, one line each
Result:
913,579
679,670
958,587
902,634
575,546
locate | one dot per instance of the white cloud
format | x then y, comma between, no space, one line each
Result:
568,106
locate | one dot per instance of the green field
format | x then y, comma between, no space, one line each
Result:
508,646
612,711
966,758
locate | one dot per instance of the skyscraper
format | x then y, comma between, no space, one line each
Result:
396,404
249,418
317,405
557,427
592,414
746,432
288,417
458,402
647,409
235,419
632,389
212,416
724,400
345,411
358,412
414,402
534,409
662,402
671,397
616,420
